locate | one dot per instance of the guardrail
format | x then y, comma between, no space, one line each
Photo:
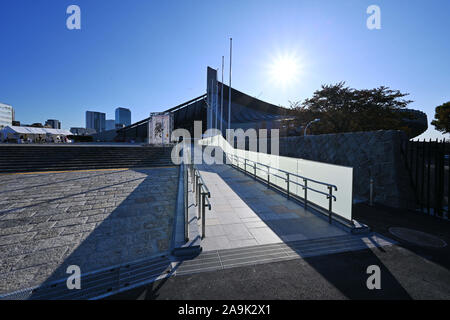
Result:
288,181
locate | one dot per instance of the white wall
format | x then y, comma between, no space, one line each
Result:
339,176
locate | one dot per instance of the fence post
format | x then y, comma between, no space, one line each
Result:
428,176
406,153
422,182
436,175
416,169
448,184
411,151
441,178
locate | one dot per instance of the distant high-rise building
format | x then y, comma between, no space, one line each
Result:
6,115
110,125
54,124
95,120
123,116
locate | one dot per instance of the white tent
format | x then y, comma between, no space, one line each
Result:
17,132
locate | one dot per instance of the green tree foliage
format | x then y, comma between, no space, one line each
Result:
442,118
344,109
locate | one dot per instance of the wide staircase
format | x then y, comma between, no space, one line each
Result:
30,158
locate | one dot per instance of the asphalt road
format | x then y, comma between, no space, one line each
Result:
407,271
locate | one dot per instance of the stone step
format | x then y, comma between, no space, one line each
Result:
49,158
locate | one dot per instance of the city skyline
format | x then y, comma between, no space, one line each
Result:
62,71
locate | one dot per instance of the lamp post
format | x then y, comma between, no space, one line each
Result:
310,123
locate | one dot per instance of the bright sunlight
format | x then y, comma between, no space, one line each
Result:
284,69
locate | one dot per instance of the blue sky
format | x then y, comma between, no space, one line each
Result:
152,55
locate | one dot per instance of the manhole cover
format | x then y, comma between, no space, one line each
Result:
417,237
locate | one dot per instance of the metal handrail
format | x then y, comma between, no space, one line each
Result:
287,179
201,195
290,173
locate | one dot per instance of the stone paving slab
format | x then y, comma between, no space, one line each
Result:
93,219
245,213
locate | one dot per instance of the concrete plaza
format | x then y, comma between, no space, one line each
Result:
93,219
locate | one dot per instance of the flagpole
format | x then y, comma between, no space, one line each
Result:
229,89
216,101
221,100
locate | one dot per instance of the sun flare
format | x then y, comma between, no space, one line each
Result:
284,69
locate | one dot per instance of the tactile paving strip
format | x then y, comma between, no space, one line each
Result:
222,259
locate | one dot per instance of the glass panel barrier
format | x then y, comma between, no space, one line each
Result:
321,179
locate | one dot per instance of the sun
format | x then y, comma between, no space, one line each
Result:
284,69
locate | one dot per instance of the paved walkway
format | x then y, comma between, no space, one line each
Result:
246,213
93,219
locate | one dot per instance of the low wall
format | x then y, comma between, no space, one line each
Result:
376,153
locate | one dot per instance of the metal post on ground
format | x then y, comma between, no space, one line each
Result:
441,178
436,183
416,169
448,183
422,182
428,176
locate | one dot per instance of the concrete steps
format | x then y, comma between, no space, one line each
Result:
56,158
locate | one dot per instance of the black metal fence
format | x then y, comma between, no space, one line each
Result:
428,166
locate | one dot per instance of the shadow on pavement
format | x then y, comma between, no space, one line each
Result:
140,227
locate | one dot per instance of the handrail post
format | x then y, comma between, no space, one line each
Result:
245,165
268,177
196,189
330,204
254,169
186,187
203,215
192,177
199,190
305,181
287,185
